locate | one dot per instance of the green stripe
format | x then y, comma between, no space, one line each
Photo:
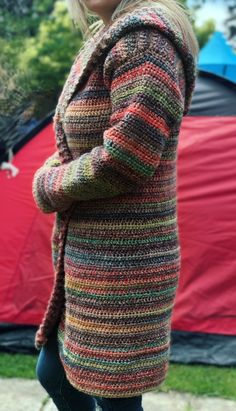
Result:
120,297
167,102
77,239
135,226
126,156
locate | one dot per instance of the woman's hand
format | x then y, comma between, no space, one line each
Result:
46,204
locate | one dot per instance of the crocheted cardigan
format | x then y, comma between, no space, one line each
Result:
112,184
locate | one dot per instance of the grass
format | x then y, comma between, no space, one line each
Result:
18,365
209,380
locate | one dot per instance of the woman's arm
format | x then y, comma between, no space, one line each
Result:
146,102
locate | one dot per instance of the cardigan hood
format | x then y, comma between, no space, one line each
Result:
150,16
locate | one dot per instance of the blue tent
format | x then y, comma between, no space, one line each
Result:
218,57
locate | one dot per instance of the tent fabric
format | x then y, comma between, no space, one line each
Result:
16,130
25,256
218,57
196,347
206,294
206,208
214,96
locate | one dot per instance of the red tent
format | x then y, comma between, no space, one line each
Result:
204,316
25,258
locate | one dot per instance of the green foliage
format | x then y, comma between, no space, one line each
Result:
48,56
23,18
205,31
41,61
202,32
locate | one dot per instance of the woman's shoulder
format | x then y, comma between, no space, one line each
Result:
143,44
141,40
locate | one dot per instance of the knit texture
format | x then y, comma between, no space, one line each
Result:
112,184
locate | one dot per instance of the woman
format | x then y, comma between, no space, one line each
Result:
105,335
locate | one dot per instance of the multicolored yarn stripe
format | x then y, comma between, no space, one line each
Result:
112,183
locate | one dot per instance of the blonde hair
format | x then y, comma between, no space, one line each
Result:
177,12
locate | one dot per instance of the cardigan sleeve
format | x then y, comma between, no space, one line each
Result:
146,102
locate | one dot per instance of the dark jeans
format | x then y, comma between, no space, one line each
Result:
51,375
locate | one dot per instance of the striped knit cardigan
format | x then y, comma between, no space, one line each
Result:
112,184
